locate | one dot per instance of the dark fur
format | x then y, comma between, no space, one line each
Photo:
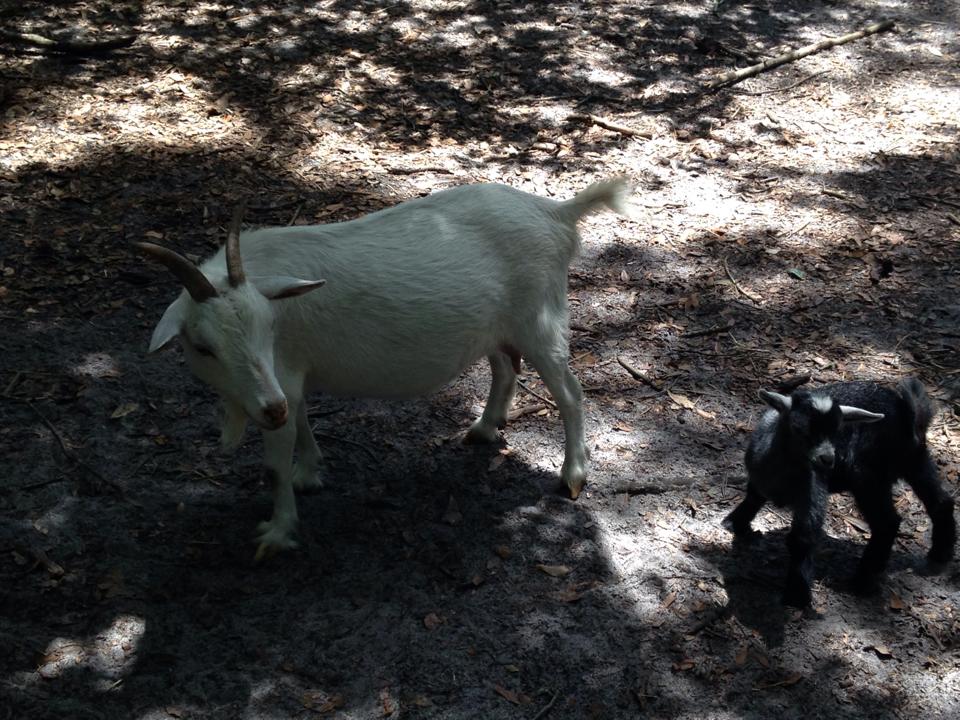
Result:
867,459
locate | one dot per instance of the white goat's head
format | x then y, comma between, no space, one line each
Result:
226,328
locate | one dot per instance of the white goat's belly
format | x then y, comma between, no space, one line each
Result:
396,378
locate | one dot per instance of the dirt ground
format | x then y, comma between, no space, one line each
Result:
802,221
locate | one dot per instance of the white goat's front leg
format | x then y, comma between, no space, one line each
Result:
308,454
277,533
566,390
503,386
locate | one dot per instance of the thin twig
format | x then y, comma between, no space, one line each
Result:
546,708
735,284
795,230
936,200
296,214
70,454
784,88
53,430
337,438
13,383
35,486
709,330
638,375
415,170
608,125
547,400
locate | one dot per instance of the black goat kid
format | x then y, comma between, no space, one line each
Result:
859,437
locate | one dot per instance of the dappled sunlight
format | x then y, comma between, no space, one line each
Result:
800,222
110,655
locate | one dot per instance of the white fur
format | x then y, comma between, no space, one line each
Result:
823,404
414,295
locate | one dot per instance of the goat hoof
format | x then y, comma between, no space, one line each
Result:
740,531
574,480
305,478
798,595
480,433
866,584
273,539
934,565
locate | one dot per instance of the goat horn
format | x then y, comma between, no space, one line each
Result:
189,275
234,267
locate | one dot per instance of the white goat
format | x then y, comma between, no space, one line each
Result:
415,294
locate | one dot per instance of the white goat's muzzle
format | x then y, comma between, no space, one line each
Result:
273,416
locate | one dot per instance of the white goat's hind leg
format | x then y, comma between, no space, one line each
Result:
503,386
308,454
277,533
566,391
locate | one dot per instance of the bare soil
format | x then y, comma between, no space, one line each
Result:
803,221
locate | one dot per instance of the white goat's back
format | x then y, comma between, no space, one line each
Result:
418,292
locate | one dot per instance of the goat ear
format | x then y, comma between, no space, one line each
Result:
169,326
279,287
780,403
858,415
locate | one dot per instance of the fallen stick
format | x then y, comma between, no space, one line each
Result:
537,395
547,707
637,375
70,47
606,124
710,330
735,76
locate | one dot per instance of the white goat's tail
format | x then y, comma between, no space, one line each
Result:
611,194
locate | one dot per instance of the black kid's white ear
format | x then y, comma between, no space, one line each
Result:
279,287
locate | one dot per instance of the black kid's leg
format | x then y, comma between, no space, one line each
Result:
738,521
876,504
939,506
802,542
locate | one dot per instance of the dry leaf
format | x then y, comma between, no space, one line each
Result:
432,620
503,551
792,679
554,570
510,696
742,654
685,402
897,603
684,665
452,516
124,410
668,600
882,651
856,523
388,703
113,585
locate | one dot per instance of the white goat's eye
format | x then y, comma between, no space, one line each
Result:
205,351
